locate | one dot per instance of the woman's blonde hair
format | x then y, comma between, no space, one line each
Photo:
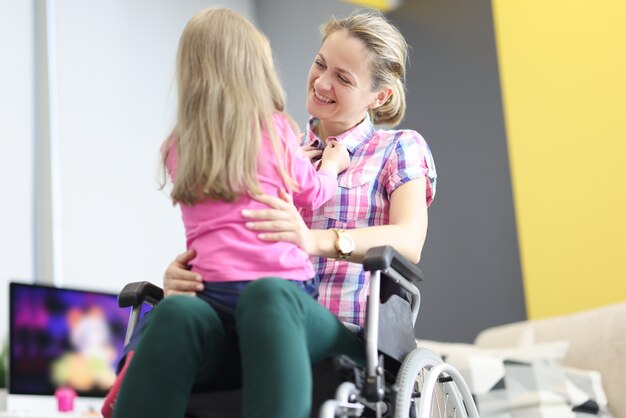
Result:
388,54
228,91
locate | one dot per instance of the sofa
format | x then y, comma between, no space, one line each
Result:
589,342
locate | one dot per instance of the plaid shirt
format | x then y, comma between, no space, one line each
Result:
381,161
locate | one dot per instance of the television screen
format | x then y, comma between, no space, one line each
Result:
63,338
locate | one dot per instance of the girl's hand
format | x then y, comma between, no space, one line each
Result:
310,152
335,157
280,223
177,278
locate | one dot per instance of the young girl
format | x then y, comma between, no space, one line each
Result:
230,143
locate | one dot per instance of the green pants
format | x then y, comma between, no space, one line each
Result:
281,331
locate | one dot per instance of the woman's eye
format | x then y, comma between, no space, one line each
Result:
319,64
344,80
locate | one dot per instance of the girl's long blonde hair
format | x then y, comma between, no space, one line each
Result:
228,91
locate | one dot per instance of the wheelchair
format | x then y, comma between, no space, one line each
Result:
399,380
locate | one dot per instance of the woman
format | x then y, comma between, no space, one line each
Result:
356,80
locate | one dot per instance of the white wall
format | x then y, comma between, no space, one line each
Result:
115,103
16,146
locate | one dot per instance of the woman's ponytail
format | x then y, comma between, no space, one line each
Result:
392,111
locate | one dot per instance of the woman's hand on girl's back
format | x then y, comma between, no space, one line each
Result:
281,222
178,279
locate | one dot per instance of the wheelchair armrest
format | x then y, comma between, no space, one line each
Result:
385,257
136,293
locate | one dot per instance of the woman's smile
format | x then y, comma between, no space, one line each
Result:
322,98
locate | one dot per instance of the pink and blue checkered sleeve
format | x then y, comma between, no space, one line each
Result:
410,159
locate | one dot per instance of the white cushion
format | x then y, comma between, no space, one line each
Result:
525,382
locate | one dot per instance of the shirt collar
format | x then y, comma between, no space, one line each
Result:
353,138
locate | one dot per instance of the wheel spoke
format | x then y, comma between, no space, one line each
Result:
443,395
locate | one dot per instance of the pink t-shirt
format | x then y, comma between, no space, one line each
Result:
227,250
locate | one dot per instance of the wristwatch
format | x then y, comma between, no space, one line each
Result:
344,244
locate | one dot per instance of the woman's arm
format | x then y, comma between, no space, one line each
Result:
406,231
408,222
177,278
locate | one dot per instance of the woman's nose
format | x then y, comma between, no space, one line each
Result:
322,82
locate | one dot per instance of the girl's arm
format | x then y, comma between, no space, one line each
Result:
406,231
314,187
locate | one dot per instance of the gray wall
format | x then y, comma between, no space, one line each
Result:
293,29
471,259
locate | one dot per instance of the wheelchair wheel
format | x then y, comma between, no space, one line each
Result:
429,388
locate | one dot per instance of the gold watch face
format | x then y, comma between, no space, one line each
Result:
345,244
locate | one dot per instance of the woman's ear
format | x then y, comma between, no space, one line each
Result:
381,97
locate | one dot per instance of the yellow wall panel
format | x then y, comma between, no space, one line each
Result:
563,76
382,5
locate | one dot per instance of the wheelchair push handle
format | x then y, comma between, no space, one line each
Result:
136,293
385,257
